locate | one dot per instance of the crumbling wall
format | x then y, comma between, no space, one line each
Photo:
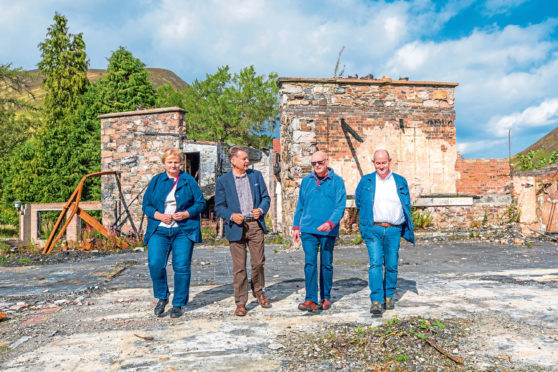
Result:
536,192
132,143
413,120
483,176
208,163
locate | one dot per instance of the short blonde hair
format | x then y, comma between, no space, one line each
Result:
171,152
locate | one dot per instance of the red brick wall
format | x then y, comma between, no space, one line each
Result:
480,176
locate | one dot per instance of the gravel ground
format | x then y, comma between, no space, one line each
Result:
493,305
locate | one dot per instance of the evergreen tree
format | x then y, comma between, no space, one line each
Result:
126,84
64,67
44,168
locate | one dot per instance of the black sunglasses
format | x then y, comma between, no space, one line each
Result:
319,162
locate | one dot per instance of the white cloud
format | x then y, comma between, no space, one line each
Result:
472,146
493,7
501,70
534,116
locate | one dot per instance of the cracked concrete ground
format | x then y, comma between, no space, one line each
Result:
76,317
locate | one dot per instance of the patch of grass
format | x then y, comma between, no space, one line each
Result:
8,231
401,358
360,331
208,232
278,239
529,244
25,261
362,347
421,219
357,240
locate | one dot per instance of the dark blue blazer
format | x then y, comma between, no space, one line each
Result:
364,200
227,203
188,198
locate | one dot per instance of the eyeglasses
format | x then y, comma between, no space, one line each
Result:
319,162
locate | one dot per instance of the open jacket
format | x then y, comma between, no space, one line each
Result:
227,203
364,199
188,198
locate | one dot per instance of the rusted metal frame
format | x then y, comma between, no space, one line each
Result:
74,198
99,227
129,216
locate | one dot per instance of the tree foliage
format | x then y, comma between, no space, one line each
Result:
536,160
126,84
64,67
240,108
15,128
45,167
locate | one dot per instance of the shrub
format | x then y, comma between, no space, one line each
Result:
421,219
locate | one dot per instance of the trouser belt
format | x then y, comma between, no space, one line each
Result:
384,224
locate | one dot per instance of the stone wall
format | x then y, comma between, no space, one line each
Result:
482,212
132,143
536,193
413,120
482,176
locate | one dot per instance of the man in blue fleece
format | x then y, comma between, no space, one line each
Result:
320,206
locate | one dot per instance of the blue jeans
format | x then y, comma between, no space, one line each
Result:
310,244
383,250
160,245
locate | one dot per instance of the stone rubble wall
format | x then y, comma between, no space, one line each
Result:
133,142
424,150
536,192
126,147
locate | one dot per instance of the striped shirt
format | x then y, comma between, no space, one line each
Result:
244,193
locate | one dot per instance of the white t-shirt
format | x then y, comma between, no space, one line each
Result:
387,205
170,207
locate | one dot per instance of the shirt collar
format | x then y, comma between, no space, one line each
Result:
378,178
328,175
171,178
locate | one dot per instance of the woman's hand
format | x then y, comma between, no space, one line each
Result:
166,218
179,216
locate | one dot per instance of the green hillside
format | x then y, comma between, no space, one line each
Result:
157,76
542,148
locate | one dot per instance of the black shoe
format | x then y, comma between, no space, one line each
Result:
176,312
160,307
376,308
389,304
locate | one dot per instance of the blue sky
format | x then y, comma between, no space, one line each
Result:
503,53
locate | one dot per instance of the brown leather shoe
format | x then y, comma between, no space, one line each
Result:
325,304
240,310
263,301
308,306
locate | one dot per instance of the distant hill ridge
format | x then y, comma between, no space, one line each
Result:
157,76
548,143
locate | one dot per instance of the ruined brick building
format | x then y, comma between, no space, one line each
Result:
415,121
349,119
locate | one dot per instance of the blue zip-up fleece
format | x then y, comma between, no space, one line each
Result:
320,201
364,199
188,198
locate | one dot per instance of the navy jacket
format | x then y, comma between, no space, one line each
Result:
364,199
320,202
188,198
227,203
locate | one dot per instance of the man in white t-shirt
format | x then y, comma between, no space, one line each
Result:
383,200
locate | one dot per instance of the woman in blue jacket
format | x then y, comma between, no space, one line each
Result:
172,202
